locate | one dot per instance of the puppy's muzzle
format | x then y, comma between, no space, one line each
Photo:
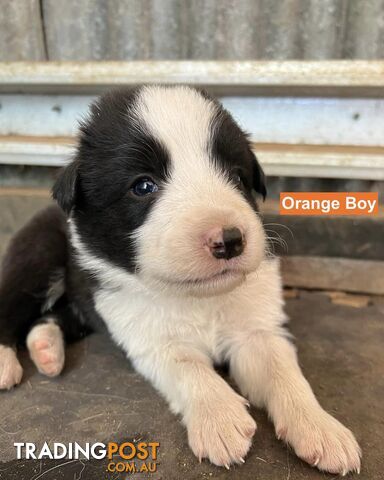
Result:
225,243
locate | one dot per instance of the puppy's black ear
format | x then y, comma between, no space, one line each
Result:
259,183
65,188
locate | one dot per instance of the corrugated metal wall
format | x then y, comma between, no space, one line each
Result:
191,29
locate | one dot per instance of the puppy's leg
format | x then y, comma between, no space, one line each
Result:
219,426
10,368
35,254
266,369
45,343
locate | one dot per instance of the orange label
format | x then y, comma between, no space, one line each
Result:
329,203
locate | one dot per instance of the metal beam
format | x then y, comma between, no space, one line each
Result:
279,160
291,120
336,78
315,114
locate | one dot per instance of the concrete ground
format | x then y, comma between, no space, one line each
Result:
100,398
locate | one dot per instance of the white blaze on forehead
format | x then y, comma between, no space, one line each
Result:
180,118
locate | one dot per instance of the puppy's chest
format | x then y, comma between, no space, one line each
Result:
138,322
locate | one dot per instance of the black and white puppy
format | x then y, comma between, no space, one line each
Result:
161,240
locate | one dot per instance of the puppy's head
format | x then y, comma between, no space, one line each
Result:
163,186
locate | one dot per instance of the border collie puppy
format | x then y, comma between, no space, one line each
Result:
159,238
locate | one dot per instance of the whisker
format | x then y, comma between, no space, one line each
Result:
280,225
278,240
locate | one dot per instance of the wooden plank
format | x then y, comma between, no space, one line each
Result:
38,140
326,273
350,300
16,210
21,31
341,78
4,240
348,237
24,192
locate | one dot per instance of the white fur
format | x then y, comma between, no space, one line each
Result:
175,318
11,371
45,343
173,342
197,198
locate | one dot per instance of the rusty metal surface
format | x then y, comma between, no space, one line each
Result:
21,31
200,29
213,29
363,78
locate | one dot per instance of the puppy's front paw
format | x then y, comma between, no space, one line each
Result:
324,442
221,430
10,368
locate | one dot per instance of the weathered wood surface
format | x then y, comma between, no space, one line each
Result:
21,31
326,273
322,236
17,206
199,29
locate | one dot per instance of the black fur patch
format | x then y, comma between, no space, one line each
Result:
33,258
232,152
113,152
35,255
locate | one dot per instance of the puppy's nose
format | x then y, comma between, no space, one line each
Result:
226,242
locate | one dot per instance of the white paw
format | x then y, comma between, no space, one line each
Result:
46,347
221,430
10,368
323,442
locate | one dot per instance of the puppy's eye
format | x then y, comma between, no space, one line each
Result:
144,186
236,179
